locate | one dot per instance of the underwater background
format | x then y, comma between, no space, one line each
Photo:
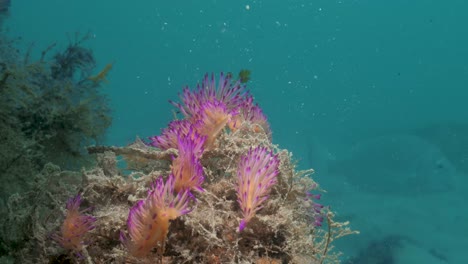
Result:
371,94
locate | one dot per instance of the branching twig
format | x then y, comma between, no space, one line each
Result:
148,154
44,52
28,54
324,254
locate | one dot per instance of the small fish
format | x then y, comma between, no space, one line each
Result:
244,75
101,76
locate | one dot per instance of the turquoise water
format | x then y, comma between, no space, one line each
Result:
369,83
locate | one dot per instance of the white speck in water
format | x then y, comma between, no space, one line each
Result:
247,7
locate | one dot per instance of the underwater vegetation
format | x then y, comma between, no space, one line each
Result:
211,188
49,110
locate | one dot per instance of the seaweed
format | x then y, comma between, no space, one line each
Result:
75,59
48,111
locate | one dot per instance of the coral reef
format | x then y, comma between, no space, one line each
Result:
198,223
